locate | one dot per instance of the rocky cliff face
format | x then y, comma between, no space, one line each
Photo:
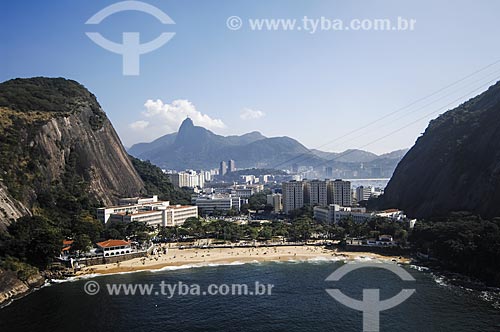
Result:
12,287
455,165
10,208
51,130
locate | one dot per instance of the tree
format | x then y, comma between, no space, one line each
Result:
462,243
194,226
113,233
266,233
258,201
86,224
34,240
81,243
301,229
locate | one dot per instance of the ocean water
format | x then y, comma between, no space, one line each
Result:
298,302
376,183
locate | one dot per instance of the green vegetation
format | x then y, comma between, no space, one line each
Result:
137,231
462,243
33,240
158,183
223,230
301,228
24,271
258,202
44,95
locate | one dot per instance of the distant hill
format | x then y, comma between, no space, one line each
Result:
198,148
455,165
348,156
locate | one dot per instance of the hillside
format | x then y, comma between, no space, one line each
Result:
60,155
454,165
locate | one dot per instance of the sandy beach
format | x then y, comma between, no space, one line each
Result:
201,257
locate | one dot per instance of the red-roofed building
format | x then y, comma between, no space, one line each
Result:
114,247
66,246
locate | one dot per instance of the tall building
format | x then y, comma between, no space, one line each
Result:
316,193
329,172
231,166
276,201
293,195
222,168
363,193
339,192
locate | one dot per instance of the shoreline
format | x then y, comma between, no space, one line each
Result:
175,258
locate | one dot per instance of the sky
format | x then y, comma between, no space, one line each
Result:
332,90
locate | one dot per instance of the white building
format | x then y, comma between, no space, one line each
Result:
162,216
149,210
231,166
188,178
333,213
151,217
265,178
208,204
222,168
363,193
248,179
177,215
138,200
393,214
130,205
114,247
245,191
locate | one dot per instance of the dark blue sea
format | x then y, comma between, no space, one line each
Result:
298,302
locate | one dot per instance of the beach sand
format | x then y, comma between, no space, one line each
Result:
202,257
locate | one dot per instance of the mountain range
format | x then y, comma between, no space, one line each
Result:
199,148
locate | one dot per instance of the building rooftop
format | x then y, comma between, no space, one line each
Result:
112,243
390,211
137,213
181,206
132,205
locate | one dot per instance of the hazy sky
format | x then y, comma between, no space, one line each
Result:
314,87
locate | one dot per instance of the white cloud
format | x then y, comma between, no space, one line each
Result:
250,114
139,125
162,118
